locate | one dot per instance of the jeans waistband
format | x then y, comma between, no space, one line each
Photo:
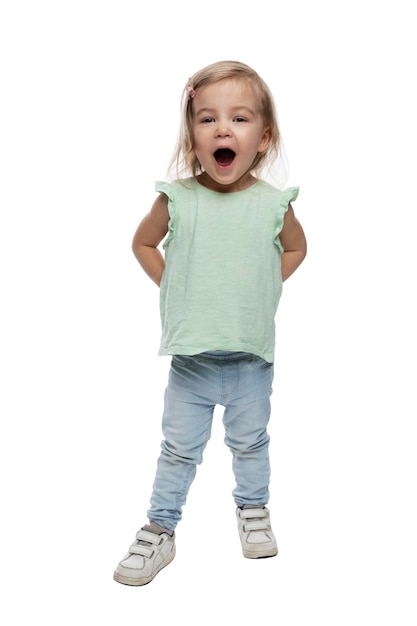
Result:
225,355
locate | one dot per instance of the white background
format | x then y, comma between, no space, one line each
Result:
89,117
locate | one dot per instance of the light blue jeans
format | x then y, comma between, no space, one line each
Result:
240,382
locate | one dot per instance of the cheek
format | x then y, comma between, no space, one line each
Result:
196,141
199,137
252,144
200,148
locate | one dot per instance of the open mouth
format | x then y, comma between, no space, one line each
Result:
224,156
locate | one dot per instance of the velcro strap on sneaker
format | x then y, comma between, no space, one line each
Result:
144,535
141,549
255,525
251,513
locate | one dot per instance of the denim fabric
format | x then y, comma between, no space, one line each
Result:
240,382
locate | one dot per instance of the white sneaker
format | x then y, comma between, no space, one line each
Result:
151,551
255,532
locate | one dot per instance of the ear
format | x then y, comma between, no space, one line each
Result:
265,139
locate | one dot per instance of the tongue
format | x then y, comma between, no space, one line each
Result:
224,156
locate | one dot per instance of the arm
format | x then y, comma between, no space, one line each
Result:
149,235
294,243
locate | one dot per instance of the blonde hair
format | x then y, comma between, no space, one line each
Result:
184,161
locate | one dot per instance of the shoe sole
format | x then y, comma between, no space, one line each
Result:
260,555
139,582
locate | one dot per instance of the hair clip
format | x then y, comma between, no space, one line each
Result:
190,90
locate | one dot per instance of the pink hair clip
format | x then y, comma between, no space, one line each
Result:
190,90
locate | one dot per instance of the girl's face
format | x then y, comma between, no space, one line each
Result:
228,133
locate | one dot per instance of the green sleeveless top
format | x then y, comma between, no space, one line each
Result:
222,279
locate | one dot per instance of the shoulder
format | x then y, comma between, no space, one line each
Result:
176,187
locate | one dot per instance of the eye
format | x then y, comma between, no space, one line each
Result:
240,119
207,120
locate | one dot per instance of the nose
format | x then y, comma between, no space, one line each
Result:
223,130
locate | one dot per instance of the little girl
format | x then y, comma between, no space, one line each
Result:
232,239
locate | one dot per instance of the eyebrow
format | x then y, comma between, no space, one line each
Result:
235,109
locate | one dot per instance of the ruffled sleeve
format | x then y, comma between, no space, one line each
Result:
164,187
287,196
167,188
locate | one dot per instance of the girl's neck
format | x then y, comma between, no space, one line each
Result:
246,181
